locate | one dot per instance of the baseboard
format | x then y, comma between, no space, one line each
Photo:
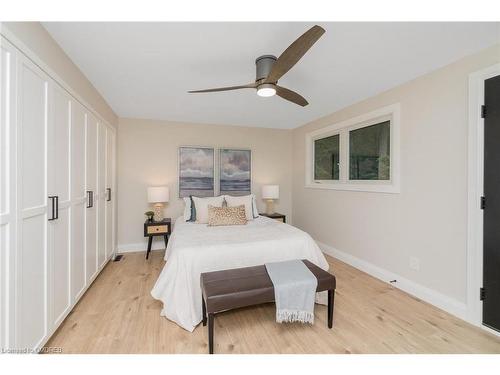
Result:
135,247
446,303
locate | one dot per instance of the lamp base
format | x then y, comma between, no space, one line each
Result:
158,208
270,206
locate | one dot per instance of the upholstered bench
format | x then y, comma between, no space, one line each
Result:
241,287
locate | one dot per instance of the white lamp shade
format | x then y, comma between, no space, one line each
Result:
158,194
270,191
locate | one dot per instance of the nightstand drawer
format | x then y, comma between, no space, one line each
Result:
152,229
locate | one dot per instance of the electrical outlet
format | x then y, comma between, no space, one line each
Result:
415,263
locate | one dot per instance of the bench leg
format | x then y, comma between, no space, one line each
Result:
331,301
204,311
211,333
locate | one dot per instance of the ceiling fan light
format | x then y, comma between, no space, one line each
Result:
266,90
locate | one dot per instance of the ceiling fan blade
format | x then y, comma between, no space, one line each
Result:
291,96
249,86
294,53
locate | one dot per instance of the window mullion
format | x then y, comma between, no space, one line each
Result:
344,158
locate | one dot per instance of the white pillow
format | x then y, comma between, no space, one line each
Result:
201,207
247,200
254,205
187,209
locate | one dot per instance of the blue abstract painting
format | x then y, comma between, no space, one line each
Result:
235,171
196,172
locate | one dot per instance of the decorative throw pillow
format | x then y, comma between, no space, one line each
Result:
246,200
193,209
187,209
255,212
226,215
201,207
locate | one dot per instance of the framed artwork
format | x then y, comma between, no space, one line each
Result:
235,170
196,171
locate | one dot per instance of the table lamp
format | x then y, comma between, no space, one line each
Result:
270,193
158,195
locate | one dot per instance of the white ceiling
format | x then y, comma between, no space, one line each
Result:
144,70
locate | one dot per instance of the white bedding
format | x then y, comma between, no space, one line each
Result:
196,248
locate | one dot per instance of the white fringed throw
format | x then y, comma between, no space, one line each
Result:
294,291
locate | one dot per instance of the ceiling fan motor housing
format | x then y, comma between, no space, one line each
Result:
263,65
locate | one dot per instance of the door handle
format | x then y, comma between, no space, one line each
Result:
57,206
53,200
90,199
109,194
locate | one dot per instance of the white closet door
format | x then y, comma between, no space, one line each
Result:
32,204
101,195
59,187
91,187
78,201
7,193
110,165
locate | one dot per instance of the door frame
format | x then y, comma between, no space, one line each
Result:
475,185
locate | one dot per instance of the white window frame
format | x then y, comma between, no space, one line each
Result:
389,113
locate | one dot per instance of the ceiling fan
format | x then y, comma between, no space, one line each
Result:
270,69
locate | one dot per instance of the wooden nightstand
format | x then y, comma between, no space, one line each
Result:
275,216
157,228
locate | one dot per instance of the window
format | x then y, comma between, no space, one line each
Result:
358,154
326,158
369,152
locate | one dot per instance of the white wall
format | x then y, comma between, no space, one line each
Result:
148,156
427,219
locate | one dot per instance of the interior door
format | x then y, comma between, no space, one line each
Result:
59,188
33,209
110,159
91,188
101,195
78,201
7,193
491,237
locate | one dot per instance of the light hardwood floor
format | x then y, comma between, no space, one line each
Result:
118,315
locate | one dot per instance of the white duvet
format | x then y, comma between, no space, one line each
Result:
196,248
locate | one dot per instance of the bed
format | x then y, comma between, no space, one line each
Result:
197,248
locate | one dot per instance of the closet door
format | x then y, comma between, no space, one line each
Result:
110,198
59,189
78,201
101,195
91,187
33,209
7,193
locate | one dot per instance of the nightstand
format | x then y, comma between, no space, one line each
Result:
275,216
157,228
